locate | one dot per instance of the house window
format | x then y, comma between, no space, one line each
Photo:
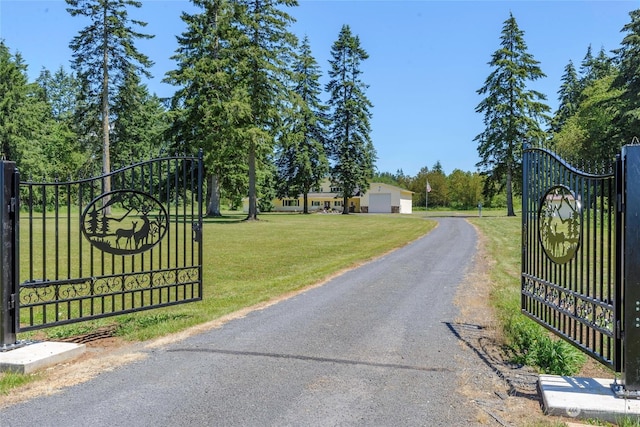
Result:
317,190
337,203
315,203
294,202
336,189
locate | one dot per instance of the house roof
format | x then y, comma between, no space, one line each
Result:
402,190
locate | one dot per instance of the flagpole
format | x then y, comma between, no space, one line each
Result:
426,196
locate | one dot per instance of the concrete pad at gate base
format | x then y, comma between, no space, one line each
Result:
34,356
585,398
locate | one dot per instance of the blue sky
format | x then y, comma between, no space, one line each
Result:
426,60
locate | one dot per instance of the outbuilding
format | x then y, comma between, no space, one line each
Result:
386,198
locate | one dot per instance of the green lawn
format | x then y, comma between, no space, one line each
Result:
245,263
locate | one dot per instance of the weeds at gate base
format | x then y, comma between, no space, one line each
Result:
531,345
10,380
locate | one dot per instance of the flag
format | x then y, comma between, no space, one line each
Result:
428,187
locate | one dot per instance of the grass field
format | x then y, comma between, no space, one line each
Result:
245,263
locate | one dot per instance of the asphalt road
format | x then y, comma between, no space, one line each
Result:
369,348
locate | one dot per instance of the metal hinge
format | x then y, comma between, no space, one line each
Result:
12,205
12,301
620,204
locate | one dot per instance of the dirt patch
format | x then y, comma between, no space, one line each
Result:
503,393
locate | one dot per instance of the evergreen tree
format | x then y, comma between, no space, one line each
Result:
211,108
29,134
586,137
61,90
512,114
350,146
61,148
568,97
628,80
594,68
13,98
301,160
140,124
104,55
264,50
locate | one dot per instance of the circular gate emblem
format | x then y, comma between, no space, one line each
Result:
559,218
124,222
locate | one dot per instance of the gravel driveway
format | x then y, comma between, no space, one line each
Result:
372,347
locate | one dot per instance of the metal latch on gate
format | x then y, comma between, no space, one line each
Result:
197,232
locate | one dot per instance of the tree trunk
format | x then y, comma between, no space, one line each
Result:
510,211
305,208
345,208
213,207
253,208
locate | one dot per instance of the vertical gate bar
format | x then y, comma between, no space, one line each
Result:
68,192
56,210
184,212
584,226
80,209
31,254
200,204
56,236
44,232
9,253
619,259
631,357
177,213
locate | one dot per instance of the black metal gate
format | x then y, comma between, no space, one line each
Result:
118,243
569,253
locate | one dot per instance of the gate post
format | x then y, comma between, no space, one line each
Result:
9,214
631,267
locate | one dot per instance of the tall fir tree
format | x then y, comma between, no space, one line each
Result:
104,54
628,80
211,106
62,149
350,146
301,158
13,97
61,90
140,125
594,68
265,47
568,97
513,114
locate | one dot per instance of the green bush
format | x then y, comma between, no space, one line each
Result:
531,345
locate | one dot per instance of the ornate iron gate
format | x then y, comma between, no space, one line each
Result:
570,253
118,243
